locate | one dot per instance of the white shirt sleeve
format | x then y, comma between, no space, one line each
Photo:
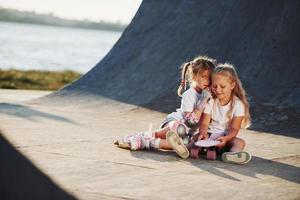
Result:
239,109
187,102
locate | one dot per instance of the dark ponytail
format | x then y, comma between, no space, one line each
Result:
182,86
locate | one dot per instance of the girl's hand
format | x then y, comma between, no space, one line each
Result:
222,141
203,136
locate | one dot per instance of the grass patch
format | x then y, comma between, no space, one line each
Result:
35,79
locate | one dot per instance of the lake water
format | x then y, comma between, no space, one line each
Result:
27,46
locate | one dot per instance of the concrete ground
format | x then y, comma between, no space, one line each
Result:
74,147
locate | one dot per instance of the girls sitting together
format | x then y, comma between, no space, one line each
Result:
213,107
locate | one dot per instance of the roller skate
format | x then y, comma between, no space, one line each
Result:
177,144
133,142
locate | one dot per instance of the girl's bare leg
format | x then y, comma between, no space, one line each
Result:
161,133
236,144
164,145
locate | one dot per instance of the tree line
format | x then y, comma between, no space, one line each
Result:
12,15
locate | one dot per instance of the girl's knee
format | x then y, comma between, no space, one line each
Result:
237,144
172,124
240,141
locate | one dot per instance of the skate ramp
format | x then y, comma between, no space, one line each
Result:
260,38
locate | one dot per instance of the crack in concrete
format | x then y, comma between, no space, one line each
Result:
59,143
286,157
107,195
106,161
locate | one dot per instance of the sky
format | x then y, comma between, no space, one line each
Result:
95,10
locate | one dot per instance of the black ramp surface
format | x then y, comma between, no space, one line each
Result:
261,38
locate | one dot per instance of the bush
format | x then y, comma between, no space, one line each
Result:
36,80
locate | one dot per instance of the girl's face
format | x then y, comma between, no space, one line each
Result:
222,87
201,81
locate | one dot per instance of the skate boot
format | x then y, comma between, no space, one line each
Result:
133,142
177,144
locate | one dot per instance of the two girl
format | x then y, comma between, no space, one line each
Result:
223,114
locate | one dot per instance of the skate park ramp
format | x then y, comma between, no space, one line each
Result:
64,141
260,38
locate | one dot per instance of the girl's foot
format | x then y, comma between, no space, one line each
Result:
241,157
177,144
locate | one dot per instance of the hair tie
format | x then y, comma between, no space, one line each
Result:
183,84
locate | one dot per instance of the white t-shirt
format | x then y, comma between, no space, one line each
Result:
219,120
190,100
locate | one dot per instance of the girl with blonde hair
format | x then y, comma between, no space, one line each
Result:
226,114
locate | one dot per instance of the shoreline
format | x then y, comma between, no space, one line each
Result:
58,26
36,79
31,17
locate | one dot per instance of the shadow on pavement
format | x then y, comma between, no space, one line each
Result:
20,179
254,168
29,113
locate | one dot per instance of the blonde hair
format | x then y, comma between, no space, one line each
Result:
228,70
194,68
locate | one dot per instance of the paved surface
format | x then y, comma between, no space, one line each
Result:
74,147
64,141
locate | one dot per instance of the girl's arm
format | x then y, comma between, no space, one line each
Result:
197,113
233,130
201,104
198,110
203,127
